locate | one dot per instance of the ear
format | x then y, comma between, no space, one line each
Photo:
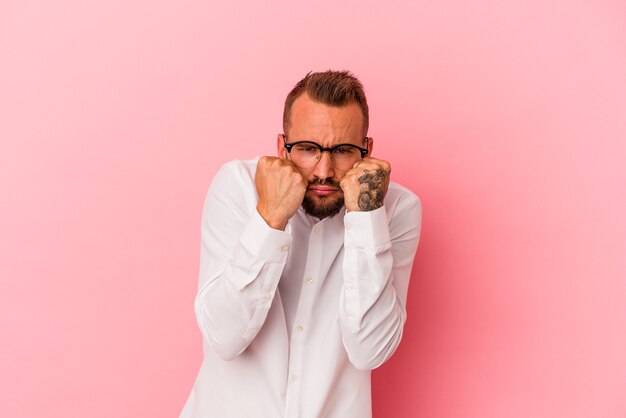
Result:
280,149
370,146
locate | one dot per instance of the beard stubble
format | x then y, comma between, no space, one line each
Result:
323,206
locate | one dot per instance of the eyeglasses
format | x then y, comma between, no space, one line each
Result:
306,154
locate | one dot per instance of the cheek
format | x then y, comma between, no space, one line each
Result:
339,175
306,173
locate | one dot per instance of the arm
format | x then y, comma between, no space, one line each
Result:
241,261
377,267
377,264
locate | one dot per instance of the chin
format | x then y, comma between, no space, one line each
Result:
322,206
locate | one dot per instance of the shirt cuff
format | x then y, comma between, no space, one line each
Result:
264,242
367,229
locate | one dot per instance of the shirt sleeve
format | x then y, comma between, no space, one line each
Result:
379,254
241,261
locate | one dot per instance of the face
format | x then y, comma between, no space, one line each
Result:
328,126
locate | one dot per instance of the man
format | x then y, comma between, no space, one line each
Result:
304,268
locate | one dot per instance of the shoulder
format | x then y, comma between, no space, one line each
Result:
237,170
399,197
404,212
234,175
233,185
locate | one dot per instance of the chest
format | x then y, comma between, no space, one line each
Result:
311,281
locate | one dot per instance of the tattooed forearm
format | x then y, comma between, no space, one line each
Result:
372,189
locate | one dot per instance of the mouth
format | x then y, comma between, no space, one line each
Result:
322,191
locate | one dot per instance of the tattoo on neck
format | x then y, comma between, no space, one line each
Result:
372,189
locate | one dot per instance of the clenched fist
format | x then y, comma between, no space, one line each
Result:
365,184
281,189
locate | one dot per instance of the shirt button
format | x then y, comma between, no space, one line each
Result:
309,280
285,248
316,229
300,328
294,378
350,285
348,226
267,296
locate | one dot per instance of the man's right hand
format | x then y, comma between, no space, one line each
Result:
281,189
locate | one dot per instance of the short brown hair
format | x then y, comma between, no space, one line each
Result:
334,88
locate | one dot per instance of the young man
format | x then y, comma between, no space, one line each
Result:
304,268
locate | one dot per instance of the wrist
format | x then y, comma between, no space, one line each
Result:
273,221
352,207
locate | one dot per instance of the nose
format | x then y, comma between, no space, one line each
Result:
324,168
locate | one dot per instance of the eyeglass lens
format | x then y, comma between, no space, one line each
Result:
306,155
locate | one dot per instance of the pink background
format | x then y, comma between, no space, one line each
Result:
507,118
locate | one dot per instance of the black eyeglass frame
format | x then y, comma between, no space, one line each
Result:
363,151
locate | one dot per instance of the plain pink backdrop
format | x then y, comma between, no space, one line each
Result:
507,118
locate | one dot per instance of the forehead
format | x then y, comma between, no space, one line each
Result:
316,120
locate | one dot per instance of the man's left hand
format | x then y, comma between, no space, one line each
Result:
365,184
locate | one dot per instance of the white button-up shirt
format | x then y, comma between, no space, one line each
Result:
293,321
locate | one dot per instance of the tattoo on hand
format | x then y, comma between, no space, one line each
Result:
372,189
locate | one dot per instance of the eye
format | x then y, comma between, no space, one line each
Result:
345,150
306,148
